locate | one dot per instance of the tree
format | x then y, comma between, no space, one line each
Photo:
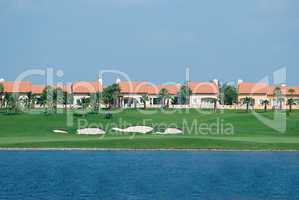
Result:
68,98
163,96
111,95
291,101
144,99
248,101
291,91
215,104
1,94
98,101
174,100
29,99
46,98
84,102
41,101
51,97
279,97
265,102
229,94
184,95
6,99
11,101
57,98
95,101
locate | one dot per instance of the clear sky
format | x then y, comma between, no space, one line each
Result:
151,40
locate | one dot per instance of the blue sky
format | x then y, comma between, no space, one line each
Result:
151,40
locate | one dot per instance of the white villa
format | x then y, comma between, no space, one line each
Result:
83,89
202,96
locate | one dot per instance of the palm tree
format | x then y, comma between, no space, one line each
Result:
144,99
116,95
51,97
174,100
215,104
84,102
29,100
42,101
111,95
163,95
184,95
1,94
291,91
168,98
11,101
248,101
291,101
6,100
67,99
279,97
33,101
98,98
95,101
265,102
59,98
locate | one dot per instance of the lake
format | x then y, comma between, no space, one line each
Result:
138,175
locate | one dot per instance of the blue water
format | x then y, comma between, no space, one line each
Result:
138,175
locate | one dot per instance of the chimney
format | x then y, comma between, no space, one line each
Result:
100,80
216,81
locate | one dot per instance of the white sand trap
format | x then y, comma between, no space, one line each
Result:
90,131
134,129
173,131
59,131
170,131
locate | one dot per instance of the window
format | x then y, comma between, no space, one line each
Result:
194,101
156,101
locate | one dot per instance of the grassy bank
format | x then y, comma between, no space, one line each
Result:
202,130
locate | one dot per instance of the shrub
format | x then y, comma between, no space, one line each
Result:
108,115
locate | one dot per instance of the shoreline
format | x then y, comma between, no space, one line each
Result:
132,149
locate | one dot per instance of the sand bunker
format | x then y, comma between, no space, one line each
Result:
170,131
59,131
90,131
135,129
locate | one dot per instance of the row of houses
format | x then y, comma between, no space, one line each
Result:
203,94
277,95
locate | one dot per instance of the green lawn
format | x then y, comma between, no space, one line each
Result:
34,129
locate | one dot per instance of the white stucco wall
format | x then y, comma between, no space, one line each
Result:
196,100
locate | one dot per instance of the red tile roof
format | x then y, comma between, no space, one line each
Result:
253,88
133,87
17,87
296,90
172,89
37,89
65,88
143,87
284,90
83,87
203,87
264,89
152,89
